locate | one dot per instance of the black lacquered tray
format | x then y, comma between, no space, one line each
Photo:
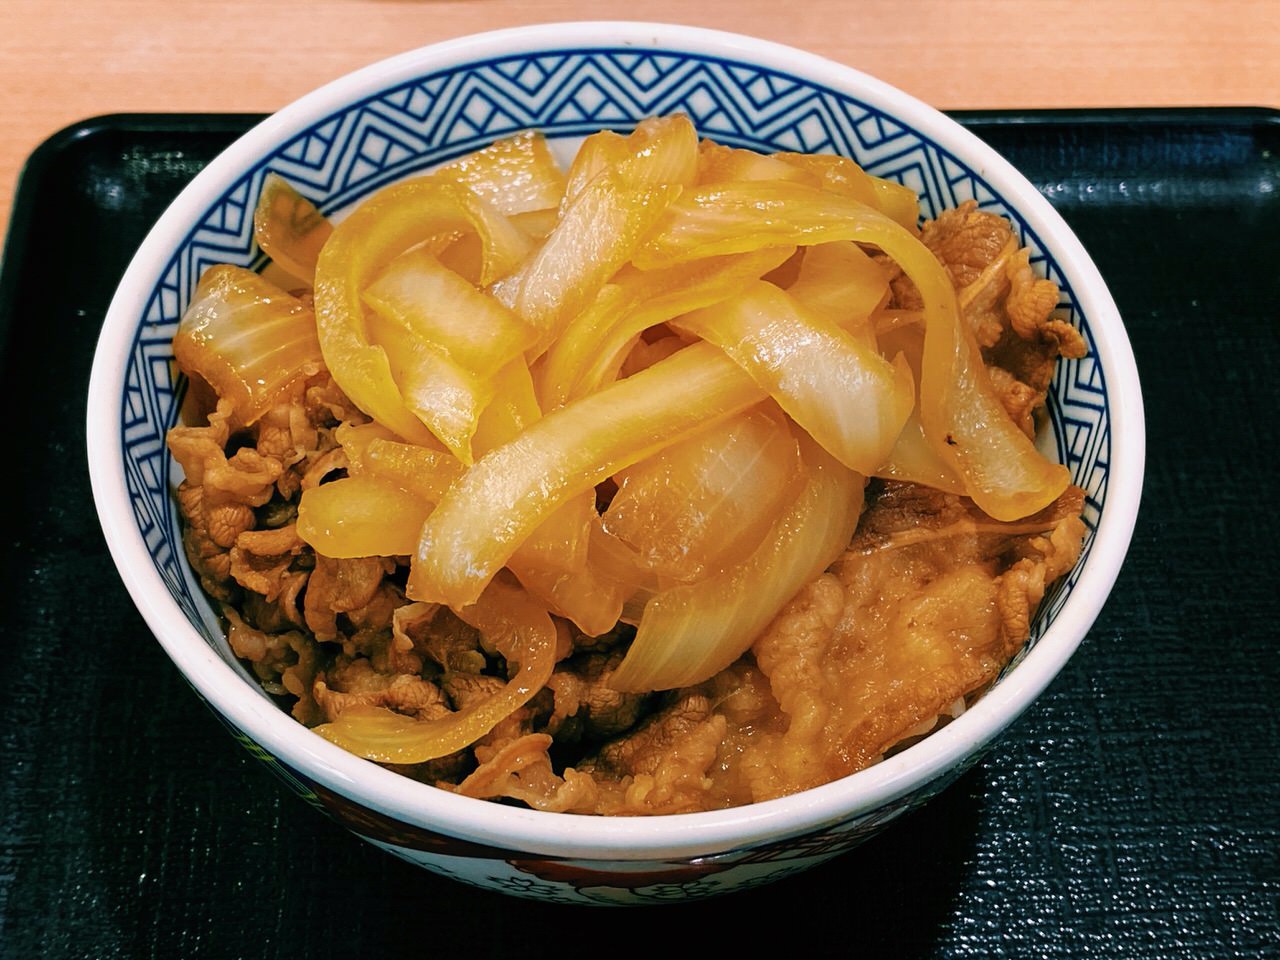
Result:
1133,812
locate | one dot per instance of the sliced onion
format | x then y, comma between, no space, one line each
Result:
424,472
805,361
962,416
379,230
354,438
592,348
249,339
361,517
513,408
494,507
596,235
718,163
841,283
661,150
708,501
689,633
913,458
437,391
289,229
517,174
842,176
519,629
472,329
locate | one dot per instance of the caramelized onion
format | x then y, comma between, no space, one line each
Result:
361,516
804,362
511,623
248,339
693,631
489,512
379,230
707,501
289,229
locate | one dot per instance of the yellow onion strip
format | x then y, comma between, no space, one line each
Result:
362,516
595,236
913,458
598,154
472,329
518,175
962,416
289,229
553,564
691,632
380,229
594,345
841,175
424,472
617,188
805,362
513,624
248,338
556,552
708,501
718,163
496,504
841,283
661,150
442,394
592,597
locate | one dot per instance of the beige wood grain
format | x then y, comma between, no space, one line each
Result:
64,60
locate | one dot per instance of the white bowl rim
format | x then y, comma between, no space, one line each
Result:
569,835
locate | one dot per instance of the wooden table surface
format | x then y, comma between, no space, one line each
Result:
64,60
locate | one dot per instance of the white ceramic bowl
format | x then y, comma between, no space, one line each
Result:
408,113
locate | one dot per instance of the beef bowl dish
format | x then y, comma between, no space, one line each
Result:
614,463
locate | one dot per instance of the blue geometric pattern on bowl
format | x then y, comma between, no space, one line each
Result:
566,94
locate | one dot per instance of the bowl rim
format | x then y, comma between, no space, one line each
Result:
577,836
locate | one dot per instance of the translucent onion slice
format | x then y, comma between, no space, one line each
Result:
472,329
513,408
593,346
747,215
661,150
599,153
248,338
444,396
841,283
913,458
718,163
806,363
494,507
588,597
289,229
536,223
963,419
708,501
361,516
558,547
645,354
841,175
596,235
517,175
962,416
379,230
424,472
691,632
511,622
354,438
